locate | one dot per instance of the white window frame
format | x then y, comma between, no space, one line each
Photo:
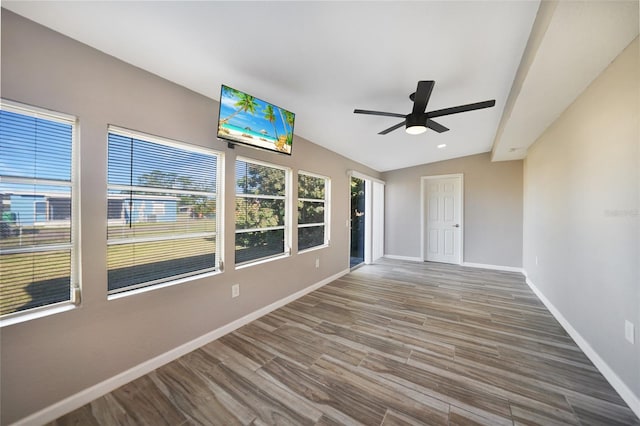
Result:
74,246
287,212
327,211
219,196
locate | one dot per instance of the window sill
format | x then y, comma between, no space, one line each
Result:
314,248
261,261
32,314
153,287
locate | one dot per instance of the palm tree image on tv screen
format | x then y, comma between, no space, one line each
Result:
248,120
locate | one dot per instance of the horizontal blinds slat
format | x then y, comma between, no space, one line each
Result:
309,212
126,133
143,215
137,263
312,196
32,128
311,187
161,211
6,179
157,251
35,190
164,191
37,148
177,237
37,215
259,179
33,279
26,247
119,159
141,163
251,246
260,211
311,237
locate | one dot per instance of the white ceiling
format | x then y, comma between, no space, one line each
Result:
323,59
579,39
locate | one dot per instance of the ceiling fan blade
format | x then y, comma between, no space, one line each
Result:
421,98
386,114
461,108
436,126
392,128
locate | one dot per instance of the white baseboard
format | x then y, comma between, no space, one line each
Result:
407,258
623,390
494,267
85,396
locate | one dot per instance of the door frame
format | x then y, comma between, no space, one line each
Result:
423,211
373,221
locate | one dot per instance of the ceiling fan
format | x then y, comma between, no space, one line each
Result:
418,120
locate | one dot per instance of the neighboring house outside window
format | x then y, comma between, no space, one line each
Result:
162,210
38,220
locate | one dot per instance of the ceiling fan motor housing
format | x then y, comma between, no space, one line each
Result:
419,120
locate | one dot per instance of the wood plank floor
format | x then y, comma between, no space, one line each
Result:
396,343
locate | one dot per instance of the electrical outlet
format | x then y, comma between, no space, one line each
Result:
536,260
235,290
629,332
317,262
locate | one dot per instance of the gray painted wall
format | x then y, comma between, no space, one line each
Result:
492,209
580,195
581,221
49,359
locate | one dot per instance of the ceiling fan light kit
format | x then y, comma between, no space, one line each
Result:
417,121
416,124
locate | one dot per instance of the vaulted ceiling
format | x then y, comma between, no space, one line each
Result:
323,59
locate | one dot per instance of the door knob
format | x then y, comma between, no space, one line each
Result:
457,225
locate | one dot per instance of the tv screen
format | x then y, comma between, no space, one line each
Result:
251,121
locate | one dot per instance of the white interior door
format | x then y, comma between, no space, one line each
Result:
442,219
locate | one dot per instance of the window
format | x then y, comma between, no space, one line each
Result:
161,209
262,228
313,212
36,198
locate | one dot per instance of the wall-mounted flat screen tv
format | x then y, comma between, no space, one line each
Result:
250,121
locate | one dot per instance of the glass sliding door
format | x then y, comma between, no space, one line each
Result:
358,207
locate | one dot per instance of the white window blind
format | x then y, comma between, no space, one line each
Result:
261,206
313,193
161,210
36,238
